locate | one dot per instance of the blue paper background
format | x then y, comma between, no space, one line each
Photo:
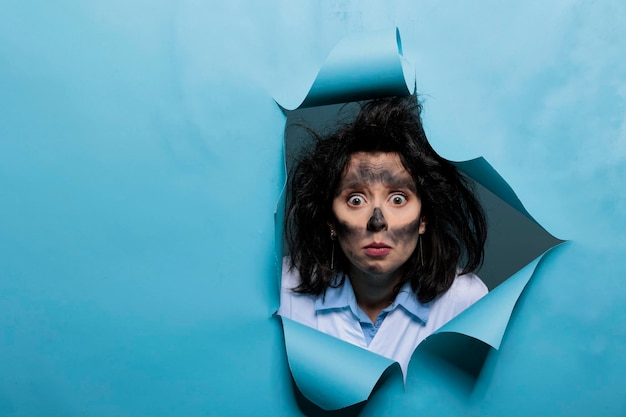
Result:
141,161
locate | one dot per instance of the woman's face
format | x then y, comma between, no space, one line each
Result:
377,211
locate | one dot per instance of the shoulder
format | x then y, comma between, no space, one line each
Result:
293,305
468,287
290,275
465,291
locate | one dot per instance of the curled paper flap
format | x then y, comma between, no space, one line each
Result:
482,172
329,372
453,358
515,238
487,320
362,66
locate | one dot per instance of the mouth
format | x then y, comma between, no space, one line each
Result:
377,249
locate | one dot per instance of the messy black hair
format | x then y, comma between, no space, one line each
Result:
456,227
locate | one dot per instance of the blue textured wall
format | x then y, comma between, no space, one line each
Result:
141,161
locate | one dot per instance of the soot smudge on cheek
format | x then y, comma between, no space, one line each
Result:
405,232
349,233
345,229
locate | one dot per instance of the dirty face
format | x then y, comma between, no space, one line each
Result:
377,213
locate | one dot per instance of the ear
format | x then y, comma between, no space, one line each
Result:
422,228
333,230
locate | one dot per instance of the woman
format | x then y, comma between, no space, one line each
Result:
383,234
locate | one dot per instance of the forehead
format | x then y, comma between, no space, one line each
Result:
380,167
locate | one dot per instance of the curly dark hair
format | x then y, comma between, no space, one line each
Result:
457,228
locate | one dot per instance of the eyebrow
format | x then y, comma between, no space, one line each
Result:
368,176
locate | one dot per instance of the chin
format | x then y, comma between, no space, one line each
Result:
378,269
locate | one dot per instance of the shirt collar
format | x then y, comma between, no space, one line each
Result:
407,299
342,297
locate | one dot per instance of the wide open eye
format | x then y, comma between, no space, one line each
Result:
356,200
398,199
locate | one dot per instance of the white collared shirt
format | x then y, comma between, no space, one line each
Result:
406,324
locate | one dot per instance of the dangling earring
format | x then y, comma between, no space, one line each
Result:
419,239
333,235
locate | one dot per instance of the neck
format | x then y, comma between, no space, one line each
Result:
374,292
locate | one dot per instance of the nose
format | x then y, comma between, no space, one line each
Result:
377,222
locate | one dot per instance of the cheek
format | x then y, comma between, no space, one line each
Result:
346,230
349,224
349,236
407,233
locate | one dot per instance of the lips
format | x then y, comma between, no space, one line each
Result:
377,249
